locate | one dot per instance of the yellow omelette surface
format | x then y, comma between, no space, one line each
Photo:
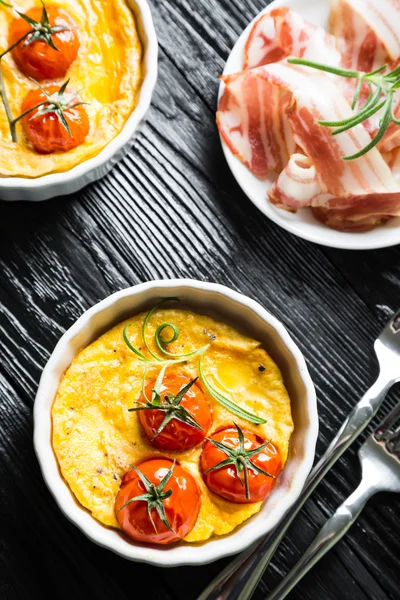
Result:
107,70
96,439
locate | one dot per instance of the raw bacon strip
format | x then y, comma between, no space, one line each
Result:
297,186
309,97
252,120
282,33
369,31
359,44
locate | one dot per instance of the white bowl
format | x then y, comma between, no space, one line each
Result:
302,223
250,318
68,182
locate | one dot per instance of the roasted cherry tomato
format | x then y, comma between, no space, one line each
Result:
225,481
180,508
46,132
37,59
177,434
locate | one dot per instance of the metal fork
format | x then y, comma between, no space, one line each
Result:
380,464
241,577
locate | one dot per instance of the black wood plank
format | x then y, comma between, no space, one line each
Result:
172,209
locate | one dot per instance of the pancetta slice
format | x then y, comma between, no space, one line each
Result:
305,97
252,120
281,33
368,32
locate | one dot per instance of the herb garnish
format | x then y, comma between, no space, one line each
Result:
239,457
154,496
225,402
40,30
154,360
385,84
171,406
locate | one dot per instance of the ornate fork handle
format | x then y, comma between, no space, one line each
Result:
240,578
332,531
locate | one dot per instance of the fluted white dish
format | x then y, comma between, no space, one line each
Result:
68,182
248,317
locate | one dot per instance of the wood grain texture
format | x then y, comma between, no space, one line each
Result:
59,257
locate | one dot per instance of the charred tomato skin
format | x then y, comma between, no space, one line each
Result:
225,481
45,132
181,507
38,60
177,435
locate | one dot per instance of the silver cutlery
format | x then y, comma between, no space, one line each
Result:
241,577
380,464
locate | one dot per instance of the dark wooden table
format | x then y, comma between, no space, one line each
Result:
172,209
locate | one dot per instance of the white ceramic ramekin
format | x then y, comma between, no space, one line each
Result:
60,184
247,316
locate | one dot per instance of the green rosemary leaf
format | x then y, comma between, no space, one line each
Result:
322,67
160,340
144,387
382,130
379,70
5,4
357,93
228,404
359,119
130,346
146,320
386,84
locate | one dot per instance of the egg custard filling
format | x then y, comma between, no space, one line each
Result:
172,426
70,74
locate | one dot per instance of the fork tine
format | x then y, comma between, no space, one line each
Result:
388,431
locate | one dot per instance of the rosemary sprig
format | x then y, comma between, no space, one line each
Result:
160,340
240,458
171,407
154,496
382,89
5,4
225,402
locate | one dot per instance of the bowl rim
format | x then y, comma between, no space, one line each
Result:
149,63
77,514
